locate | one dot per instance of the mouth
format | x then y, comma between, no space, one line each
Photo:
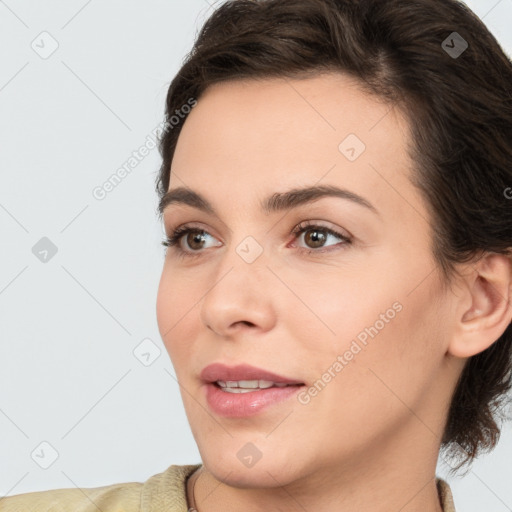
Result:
244,390
249,386
249,376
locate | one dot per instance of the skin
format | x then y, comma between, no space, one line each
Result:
369,441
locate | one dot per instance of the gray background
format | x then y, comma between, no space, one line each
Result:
70,324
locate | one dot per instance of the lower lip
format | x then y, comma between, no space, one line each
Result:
241,405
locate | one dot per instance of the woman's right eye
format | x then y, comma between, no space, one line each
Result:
192,236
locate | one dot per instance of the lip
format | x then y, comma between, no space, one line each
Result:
218,371
241,405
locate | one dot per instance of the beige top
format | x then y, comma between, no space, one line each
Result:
163,492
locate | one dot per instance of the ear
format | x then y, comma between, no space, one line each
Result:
484,310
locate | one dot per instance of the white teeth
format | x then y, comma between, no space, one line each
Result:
242,386
238,390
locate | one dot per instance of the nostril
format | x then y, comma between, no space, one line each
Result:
245,322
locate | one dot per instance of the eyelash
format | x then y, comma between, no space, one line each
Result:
174,239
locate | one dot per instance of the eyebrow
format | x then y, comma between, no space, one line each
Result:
275,203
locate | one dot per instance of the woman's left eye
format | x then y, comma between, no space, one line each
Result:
315,237
318,236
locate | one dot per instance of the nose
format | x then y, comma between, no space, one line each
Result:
240,296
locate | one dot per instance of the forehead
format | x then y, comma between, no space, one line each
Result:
253,137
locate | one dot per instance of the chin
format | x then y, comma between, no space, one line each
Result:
236,475
231,463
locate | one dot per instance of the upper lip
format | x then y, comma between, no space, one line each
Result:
218,371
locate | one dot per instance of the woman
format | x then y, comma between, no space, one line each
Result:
335,297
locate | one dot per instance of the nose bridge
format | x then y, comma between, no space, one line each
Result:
243,262
238,291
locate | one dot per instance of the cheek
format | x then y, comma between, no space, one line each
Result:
391,360
337,306
375,334
368,393
176,307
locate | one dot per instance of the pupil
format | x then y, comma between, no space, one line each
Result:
317,237
195,237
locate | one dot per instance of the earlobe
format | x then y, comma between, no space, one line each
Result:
489,287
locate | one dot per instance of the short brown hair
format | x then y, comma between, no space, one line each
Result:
460,112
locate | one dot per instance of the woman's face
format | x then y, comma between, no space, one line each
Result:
357,320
